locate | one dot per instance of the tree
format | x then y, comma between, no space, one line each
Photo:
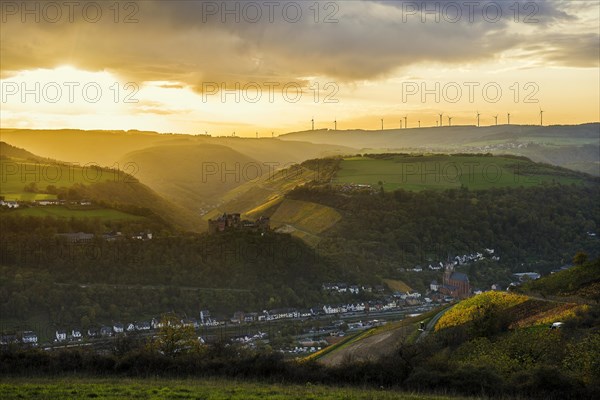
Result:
174,339
85,322
580,258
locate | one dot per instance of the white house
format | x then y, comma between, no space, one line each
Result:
332,309
29,337
9,204
205,317
142,326
118,328
61,335
106,331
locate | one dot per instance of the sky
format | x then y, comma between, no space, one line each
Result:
269,67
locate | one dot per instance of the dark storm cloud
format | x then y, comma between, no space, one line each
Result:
194,42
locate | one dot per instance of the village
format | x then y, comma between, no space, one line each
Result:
323,324
363,306
14,204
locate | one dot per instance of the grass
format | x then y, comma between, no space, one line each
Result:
104,214
339,345
583,281
447,172
408,326
16,174
209,389
259,197
398,285
308,219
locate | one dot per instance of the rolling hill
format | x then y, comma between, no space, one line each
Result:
8,151
491,314
424,172
572,146
266,196
582,281
193,176
27,177
194,172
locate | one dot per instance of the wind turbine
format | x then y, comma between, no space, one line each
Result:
400,123
496,116
449,121
313,123
441,122
381,123
478,118
419,123
541,117
508,118
335,125
405,122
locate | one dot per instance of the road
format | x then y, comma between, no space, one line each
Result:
431,324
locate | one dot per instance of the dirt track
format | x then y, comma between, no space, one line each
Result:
370,348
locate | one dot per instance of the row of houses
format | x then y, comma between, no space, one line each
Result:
75,334
459,260
56,202
206,320
43,203
9,204
26,337
354,289
389,303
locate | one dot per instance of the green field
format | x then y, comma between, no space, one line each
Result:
447,172
104,214
216,389
16,174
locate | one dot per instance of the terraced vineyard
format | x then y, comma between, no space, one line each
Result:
470,309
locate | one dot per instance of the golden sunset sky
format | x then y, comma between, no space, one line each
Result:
162,66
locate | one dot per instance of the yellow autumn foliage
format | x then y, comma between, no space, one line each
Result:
467,310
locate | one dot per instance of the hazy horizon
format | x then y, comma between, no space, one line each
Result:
272,67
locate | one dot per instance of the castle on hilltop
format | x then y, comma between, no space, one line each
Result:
455,284
232,222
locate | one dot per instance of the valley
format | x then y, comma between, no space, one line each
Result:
357,260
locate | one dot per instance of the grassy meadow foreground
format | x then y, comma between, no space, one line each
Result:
189,389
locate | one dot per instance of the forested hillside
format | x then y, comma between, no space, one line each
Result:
104,280
538,228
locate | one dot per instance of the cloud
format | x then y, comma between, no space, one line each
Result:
188,42
575,50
